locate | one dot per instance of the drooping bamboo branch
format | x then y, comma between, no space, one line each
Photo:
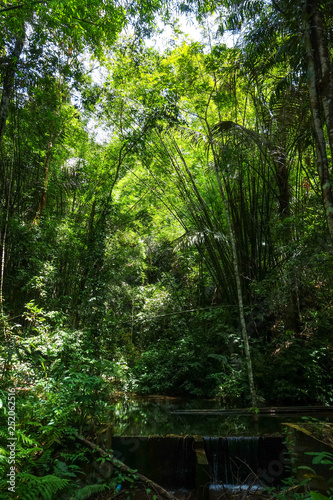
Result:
237,276
199,214
201,218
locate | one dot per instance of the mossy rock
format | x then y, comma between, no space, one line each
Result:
301,441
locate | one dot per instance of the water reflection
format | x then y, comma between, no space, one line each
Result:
153,416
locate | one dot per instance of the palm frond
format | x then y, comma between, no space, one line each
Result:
195,136
227,126
194,238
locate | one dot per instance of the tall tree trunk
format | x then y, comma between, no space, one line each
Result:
42,202
8,78
239,291
237,274
54,136
313,82
282,180
3,258
324,65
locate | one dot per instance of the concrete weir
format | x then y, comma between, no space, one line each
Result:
206,466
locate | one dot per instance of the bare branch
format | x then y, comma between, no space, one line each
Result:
84,21
20,6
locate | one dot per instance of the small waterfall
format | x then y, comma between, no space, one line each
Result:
172,461
243,459
233,461
185,463
188,463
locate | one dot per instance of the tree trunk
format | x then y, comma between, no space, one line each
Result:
42,203
237,275
322,59
282,180
8,79
3,323
239,294
313,81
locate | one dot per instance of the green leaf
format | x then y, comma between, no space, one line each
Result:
318,496
305,467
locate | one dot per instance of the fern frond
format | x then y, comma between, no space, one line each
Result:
24,439
35,487
3,433
3,488
3,455
62,470
52,435
33,424
43,462
89,490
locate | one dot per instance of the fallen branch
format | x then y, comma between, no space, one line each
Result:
161,492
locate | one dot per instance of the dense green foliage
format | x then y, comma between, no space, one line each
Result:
182,251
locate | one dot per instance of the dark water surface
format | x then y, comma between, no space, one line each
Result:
157,416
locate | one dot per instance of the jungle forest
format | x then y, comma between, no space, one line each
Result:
166,226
